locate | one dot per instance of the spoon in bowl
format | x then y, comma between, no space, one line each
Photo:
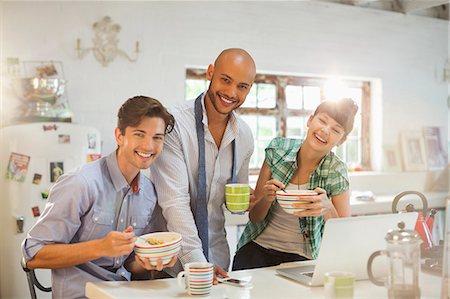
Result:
145,240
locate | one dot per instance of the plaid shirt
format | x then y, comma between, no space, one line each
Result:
331,175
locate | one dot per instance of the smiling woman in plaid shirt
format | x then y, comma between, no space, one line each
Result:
273,236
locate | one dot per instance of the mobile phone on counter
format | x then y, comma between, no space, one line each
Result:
233,281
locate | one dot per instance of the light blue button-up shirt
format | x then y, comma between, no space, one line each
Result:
86,204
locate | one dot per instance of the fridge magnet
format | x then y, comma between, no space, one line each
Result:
53,127
44,194
64,139
36,211
93,157
17,167
56,170
92,141
37,178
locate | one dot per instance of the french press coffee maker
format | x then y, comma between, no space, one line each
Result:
403,252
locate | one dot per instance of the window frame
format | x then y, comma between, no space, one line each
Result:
281,112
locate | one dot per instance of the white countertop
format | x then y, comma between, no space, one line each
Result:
383,204
380,205
265,284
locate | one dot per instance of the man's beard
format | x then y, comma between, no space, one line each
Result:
213,100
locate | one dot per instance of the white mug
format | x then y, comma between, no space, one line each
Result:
197,278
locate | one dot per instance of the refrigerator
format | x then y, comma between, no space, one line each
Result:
32,157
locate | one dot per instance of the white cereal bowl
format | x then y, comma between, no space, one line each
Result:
166,256
169,244
296,195
287,199
165,238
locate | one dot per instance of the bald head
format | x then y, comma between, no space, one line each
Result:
232,77
237,56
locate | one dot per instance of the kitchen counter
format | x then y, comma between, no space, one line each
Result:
383,204
265,284
380,205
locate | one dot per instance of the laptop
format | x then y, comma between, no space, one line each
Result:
347,244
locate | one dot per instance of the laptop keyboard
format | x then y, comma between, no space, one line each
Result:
309,274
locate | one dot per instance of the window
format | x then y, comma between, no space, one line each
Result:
280,105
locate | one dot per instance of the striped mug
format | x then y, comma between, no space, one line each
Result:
197,278
237,198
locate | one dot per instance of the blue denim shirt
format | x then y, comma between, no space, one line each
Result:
86,204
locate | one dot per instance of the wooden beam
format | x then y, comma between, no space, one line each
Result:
412,5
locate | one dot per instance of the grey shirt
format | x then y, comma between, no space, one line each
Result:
283,232
86,204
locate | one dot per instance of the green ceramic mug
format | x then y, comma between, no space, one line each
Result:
237,198
338,285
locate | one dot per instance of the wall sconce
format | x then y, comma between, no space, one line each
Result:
105,43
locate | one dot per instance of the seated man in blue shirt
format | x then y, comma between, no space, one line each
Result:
87,230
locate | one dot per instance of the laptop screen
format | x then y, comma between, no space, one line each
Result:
347,244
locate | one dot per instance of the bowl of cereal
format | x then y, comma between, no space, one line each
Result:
162,245
293,200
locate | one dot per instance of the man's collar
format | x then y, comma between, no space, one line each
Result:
117,177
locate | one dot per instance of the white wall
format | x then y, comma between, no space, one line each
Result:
405,52
404,55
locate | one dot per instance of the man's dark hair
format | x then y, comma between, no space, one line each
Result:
136,108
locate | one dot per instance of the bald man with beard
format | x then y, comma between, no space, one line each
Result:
206,129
